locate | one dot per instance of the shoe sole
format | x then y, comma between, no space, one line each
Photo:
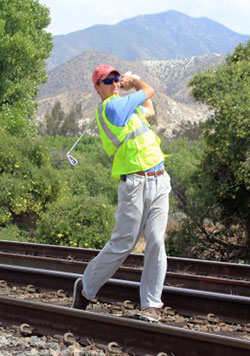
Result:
79,280
149,318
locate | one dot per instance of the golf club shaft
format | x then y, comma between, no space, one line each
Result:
84,132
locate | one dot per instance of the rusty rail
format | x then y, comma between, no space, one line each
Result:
185,301
175,264
184,280
138,337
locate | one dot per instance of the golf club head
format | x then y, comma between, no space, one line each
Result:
72,161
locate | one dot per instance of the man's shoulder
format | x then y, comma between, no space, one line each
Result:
120,108
115,100
133,97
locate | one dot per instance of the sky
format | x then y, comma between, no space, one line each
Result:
73,15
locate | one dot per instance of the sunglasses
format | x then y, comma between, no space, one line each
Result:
109,81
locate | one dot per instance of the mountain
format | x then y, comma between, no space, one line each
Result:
167,35
71,83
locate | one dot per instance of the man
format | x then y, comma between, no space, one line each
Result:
143,192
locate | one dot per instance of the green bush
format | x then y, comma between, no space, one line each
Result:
92,176
28,181
77,221
182,166
14,233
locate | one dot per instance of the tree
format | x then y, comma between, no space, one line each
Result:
53,120
185,156
70,125
24,44
59,123
225,168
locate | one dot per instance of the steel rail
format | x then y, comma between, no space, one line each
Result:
136,336
184,280
184,301
177,264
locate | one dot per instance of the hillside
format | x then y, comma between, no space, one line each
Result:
167,35
174,74
71,83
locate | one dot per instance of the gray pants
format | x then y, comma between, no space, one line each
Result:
143,204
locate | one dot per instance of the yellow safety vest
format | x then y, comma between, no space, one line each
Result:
135,146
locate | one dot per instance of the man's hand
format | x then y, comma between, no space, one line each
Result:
130,80
133,75
126,80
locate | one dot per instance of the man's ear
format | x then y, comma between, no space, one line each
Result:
97,88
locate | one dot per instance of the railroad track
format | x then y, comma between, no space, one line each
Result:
154,338
175,264
185,301
139,337
213,276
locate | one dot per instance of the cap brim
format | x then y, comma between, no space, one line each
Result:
105,75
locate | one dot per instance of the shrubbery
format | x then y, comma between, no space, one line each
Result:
14,233
80,221
28,181
44,199
92,176
84,214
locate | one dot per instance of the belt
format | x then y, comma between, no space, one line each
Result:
151,174
145,174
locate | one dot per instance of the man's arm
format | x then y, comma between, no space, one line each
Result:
129,82
148,108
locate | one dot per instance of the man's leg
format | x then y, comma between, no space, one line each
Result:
125,235
155,217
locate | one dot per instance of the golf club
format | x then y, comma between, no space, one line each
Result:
73,161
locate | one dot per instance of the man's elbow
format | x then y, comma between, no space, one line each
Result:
151,93
148,112
152,111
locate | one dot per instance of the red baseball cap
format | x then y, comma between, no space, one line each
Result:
102,71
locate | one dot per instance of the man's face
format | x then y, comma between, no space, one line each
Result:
107,90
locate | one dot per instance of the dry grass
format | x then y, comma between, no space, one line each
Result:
140,246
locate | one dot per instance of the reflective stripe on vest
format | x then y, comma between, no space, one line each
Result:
139,131
105,128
